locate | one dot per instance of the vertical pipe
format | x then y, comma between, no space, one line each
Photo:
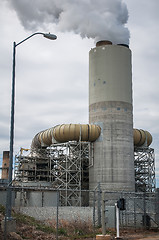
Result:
99,205
80,182
50,164
67,156
5,165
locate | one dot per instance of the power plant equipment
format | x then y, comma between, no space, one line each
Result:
110,107
107,151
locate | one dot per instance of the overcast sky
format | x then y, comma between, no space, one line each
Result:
52,76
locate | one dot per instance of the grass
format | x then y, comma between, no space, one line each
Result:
2,209
24,219
30,221
69,229
75,228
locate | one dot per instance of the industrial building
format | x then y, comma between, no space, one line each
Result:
107,151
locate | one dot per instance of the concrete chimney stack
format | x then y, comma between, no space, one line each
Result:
110,107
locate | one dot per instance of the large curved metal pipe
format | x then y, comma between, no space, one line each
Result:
142,137
66,132
84,132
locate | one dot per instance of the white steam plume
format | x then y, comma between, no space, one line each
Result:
97,19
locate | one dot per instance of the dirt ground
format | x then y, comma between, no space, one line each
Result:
140,234
26,232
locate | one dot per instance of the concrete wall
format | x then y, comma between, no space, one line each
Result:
36,199
65,213
110,106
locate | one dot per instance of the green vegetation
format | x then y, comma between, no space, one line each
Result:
30,221
69,230
2,209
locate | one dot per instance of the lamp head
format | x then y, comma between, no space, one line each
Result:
50,36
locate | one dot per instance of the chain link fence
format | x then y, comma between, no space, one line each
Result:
44,204
141,209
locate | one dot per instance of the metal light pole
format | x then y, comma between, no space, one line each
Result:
9,187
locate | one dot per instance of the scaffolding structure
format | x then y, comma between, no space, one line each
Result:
34,167
70,172
65,166
144,163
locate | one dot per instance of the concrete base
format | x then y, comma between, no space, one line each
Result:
103,237
10,225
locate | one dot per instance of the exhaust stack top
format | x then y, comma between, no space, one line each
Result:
107,42
103,42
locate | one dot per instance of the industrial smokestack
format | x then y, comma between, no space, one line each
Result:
5,165
110,107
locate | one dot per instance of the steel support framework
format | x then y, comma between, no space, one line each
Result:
70,172
64,165
144,163
33,167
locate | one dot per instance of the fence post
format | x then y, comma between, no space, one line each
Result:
103,215
42,198
57,215
99,205
144,206
94,209
135,212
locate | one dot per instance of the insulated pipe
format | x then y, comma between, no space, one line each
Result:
142,137
87,132
64,133
70,132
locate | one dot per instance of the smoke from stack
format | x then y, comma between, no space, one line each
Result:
99,20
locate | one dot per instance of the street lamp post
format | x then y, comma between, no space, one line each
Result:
9,187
